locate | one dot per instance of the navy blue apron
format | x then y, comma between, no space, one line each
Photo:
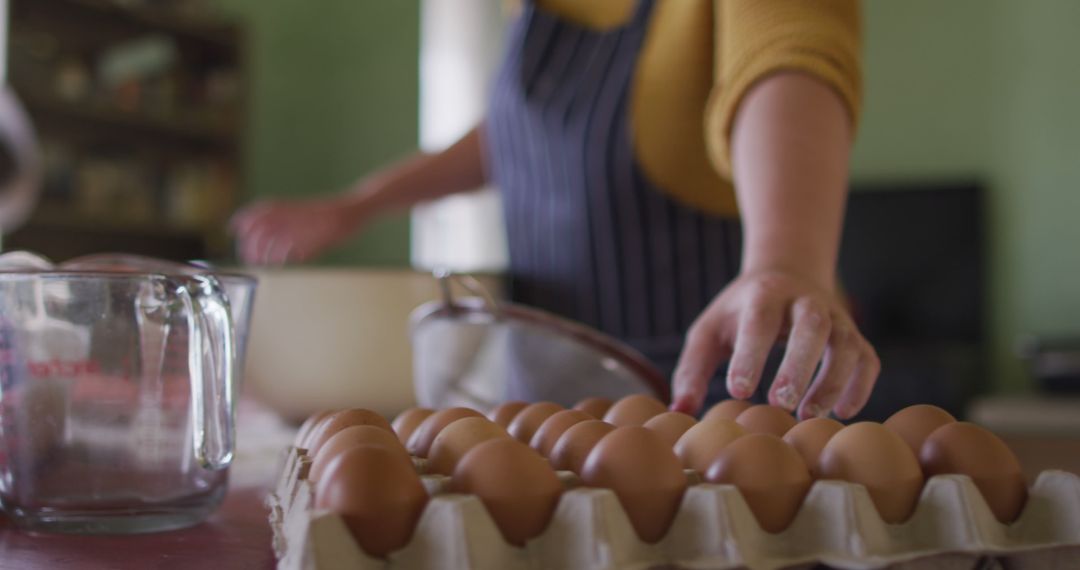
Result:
590,237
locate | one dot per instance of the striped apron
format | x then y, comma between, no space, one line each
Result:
590,237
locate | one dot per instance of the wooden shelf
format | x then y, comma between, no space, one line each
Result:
52,112
210,32
62,239
56,218
165,151
112,19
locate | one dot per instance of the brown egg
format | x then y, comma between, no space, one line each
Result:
645,475
670,426
340,420
764,418
406,422
456,439
421,440
309,424
517,486
870,454
528,420
914,423
595,407
634,410
967,449
573,446
505,412
809,437
552,429
727,409
378,495
701,444
348,438
769,473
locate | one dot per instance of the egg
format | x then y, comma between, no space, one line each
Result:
517,487
764,418
348,438
809,437
421,439
573,446
769,474
727,409
304,433
406,422
870,454
552,429
914,423
377,494
340,420
634,410
595,407
456,439
701,444
528,420
505,412
967,449
670,426
645,475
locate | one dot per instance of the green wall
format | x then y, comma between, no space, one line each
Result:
333,94
988,89
985,89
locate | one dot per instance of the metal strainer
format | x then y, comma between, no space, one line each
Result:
476,351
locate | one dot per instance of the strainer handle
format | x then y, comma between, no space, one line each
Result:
447,278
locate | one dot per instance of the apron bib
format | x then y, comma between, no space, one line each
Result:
590,237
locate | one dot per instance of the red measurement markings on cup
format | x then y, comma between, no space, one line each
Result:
62,368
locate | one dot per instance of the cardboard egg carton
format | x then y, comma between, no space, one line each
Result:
837,525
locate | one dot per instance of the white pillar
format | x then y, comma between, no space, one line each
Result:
4,19
461,44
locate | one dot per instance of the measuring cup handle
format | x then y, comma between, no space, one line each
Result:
213,367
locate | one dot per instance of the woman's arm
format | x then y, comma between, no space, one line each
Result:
424,177
276,232
791,140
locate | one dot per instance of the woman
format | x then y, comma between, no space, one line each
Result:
629,138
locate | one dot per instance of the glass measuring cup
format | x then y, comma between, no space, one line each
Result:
117,395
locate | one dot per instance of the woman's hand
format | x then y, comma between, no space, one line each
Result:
744,322
790,144
278,232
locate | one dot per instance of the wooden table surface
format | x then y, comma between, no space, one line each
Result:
236,537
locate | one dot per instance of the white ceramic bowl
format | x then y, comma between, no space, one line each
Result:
335,338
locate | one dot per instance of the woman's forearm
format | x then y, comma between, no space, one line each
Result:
790,148
791,142
423,177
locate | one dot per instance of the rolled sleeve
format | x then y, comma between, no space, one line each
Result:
757,38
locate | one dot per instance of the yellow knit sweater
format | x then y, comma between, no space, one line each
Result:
698,60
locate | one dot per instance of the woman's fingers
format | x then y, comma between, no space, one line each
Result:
263,235
243,221
701,356
811,324
862,383
259,240
745,321
836,372
278,250
759,326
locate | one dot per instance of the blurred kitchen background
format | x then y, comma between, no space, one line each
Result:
157,118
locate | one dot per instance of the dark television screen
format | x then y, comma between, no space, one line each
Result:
912,261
